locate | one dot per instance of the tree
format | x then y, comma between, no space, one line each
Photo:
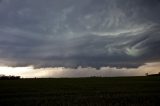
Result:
146,74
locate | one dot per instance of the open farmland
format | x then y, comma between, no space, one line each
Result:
116,91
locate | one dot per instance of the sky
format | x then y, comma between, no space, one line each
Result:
79,38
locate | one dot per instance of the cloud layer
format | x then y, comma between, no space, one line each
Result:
88,33
58,72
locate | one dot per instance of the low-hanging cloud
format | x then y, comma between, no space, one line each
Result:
69,33
58,72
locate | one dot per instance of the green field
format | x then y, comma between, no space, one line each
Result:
116,91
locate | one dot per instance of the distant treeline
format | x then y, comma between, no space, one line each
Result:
10,77
153,74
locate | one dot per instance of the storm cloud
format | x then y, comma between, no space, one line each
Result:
59,72
73,33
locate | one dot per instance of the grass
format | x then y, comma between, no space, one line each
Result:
116,91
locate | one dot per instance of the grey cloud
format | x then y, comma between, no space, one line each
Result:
90,33
55,72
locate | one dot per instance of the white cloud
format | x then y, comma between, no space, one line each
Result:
134,52
131,31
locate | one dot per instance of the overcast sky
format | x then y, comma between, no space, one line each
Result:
79,33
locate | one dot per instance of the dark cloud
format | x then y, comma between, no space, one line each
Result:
90,33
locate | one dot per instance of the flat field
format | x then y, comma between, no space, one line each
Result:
115,91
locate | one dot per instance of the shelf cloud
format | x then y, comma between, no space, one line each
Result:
72,34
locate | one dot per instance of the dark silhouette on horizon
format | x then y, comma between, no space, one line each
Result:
10,77
153,74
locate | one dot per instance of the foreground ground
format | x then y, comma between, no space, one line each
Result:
122,91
